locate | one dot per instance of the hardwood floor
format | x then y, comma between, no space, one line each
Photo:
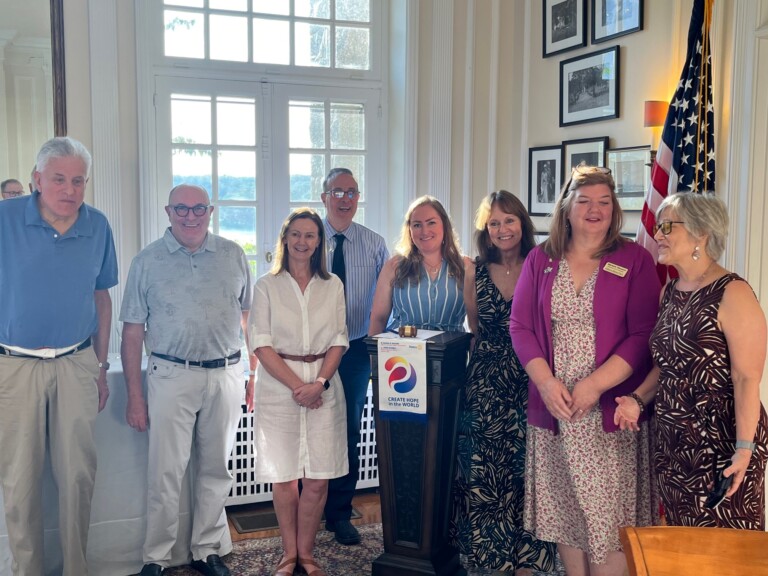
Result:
366,502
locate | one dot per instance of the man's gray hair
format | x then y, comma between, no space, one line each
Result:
63,147
333,173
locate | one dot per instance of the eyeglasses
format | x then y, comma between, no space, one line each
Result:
340,193
12,194
198,209
665,227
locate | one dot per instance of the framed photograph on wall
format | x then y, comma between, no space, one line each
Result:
564,25
589,87
614,18
631,169
545,176
590,151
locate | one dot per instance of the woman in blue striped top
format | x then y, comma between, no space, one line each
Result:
422,284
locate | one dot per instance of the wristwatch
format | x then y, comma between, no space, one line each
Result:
104,365
324,382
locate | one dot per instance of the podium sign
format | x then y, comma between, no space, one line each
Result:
417,463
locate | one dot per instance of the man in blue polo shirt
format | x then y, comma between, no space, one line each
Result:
57,261
356,255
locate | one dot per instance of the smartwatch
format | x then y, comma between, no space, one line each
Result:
324,382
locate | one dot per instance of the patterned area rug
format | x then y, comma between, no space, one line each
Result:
259,557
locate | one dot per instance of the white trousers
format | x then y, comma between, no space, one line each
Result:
189,405
55,399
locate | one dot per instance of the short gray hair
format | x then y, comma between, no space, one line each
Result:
334,172
63,147
702,215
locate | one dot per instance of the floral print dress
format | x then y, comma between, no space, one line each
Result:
583,483
487,521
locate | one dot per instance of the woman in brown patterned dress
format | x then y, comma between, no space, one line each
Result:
709,348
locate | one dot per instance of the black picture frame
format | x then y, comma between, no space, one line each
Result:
564,26
614,18
591,151
589,87
545,177
631,169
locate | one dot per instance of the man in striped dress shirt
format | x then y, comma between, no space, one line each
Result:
356,254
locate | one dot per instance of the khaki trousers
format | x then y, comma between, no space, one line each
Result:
57,400
186,406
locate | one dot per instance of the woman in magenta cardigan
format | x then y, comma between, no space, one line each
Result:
583,310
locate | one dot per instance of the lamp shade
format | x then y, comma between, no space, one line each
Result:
655,113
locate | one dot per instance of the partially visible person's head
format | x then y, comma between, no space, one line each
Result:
11,188
427,228
599,182
32,187
302,230
704,217
189,212
512,219
63,166
340,196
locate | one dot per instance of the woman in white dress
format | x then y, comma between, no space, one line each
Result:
297,328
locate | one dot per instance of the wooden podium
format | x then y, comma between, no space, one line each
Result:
416,465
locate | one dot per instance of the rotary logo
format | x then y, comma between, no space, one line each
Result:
402,376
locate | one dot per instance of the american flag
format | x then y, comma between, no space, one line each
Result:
685,161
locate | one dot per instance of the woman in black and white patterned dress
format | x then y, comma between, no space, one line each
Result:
488,493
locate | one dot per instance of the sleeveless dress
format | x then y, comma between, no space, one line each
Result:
487,523
583,483
429,304
695,415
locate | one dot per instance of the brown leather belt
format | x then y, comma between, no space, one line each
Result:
308,358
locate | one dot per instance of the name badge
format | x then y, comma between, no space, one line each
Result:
615,269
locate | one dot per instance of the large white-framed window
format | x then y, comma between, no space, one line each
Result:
259,134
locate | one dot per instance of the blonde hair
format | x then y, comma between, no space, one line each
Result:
409,267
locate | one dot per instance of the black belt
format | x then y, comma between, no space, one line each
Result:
218,363
82,346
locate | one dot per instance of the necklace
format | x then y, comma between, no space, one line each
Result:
433,269
699,282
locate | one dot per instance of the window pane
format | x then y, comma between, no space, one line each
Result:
237,175
238,223
236,121
356,10
188,3
282,7
356,163
352,48
190,119
306,122
307,173
229,38
271,41
347,126
313,46
184,34
234,5
313,8
192,167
